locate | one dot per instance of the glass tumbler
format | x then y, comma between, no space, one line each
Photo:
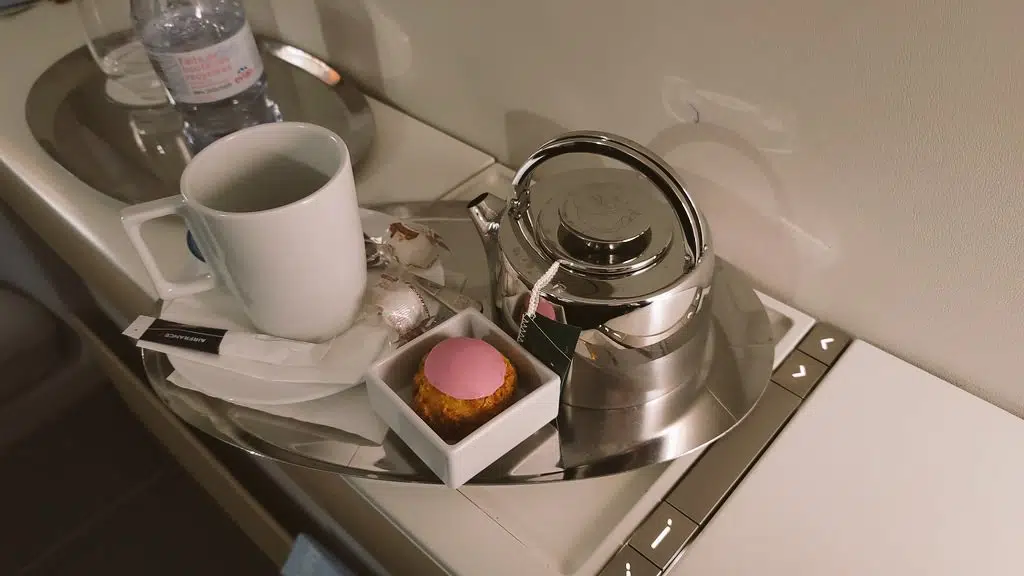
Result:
117,50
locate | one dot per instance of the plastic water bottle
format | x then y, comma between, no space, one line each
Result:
206,56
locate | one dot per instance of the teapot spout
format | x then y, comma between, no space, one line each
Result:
486,211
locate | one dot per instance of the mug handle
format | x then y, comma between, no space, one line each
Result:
133,217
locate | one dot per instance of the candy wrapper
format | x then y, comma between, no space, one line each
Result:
400,305
407,286
414,245
410,305
409,245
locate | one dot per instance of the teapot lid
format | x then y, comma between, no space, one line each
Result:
602,222
617,235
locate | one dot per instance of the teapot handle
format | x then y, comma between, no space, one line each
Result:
629,153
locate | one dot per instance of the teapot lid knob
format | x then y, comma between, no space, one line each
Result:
604,226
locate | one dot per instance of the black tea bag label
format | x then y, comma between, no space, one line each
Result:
551,342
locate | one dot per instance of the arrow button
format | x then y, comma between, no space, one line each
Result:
662,535
630,562
799,373
824,343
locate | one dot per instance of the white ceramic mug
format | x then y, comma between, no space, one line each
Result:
274,213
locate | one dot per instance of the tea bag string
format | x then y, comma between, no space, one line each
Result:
540,285
542,282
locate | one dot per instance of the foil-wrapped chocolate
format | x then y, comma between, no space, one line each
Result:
400,305
414,244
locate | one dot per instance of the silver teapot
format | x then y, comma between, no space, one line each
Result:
634,268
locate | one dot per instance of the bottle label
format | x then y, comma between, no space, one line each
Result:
214,73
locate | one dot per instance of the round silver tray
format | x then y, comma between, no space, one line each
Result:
136,154
581,443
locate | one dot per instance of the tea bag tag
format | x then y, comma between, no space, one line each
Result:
550,341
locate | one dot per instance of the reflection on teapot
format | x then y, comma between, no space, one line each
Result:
634,276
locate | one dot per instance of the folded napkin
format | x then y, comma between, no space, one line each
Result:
347,359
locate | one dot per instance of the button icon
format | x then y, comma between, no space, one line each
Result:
799,373
824,343
662,535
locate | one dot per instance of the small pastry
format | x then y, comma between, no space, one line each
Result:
460,385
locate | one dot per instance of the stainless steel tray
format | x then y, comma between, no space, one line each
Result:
137,154
581,443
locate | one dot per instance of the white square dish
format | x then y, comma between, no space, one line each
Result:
390,387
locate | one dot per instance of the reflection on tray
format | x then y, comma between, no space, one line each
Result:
135,155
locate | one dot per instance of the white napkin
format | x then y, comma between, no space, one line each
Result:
348,411
350,354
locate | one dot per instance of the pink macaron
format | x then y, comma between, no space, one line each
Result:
465,368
